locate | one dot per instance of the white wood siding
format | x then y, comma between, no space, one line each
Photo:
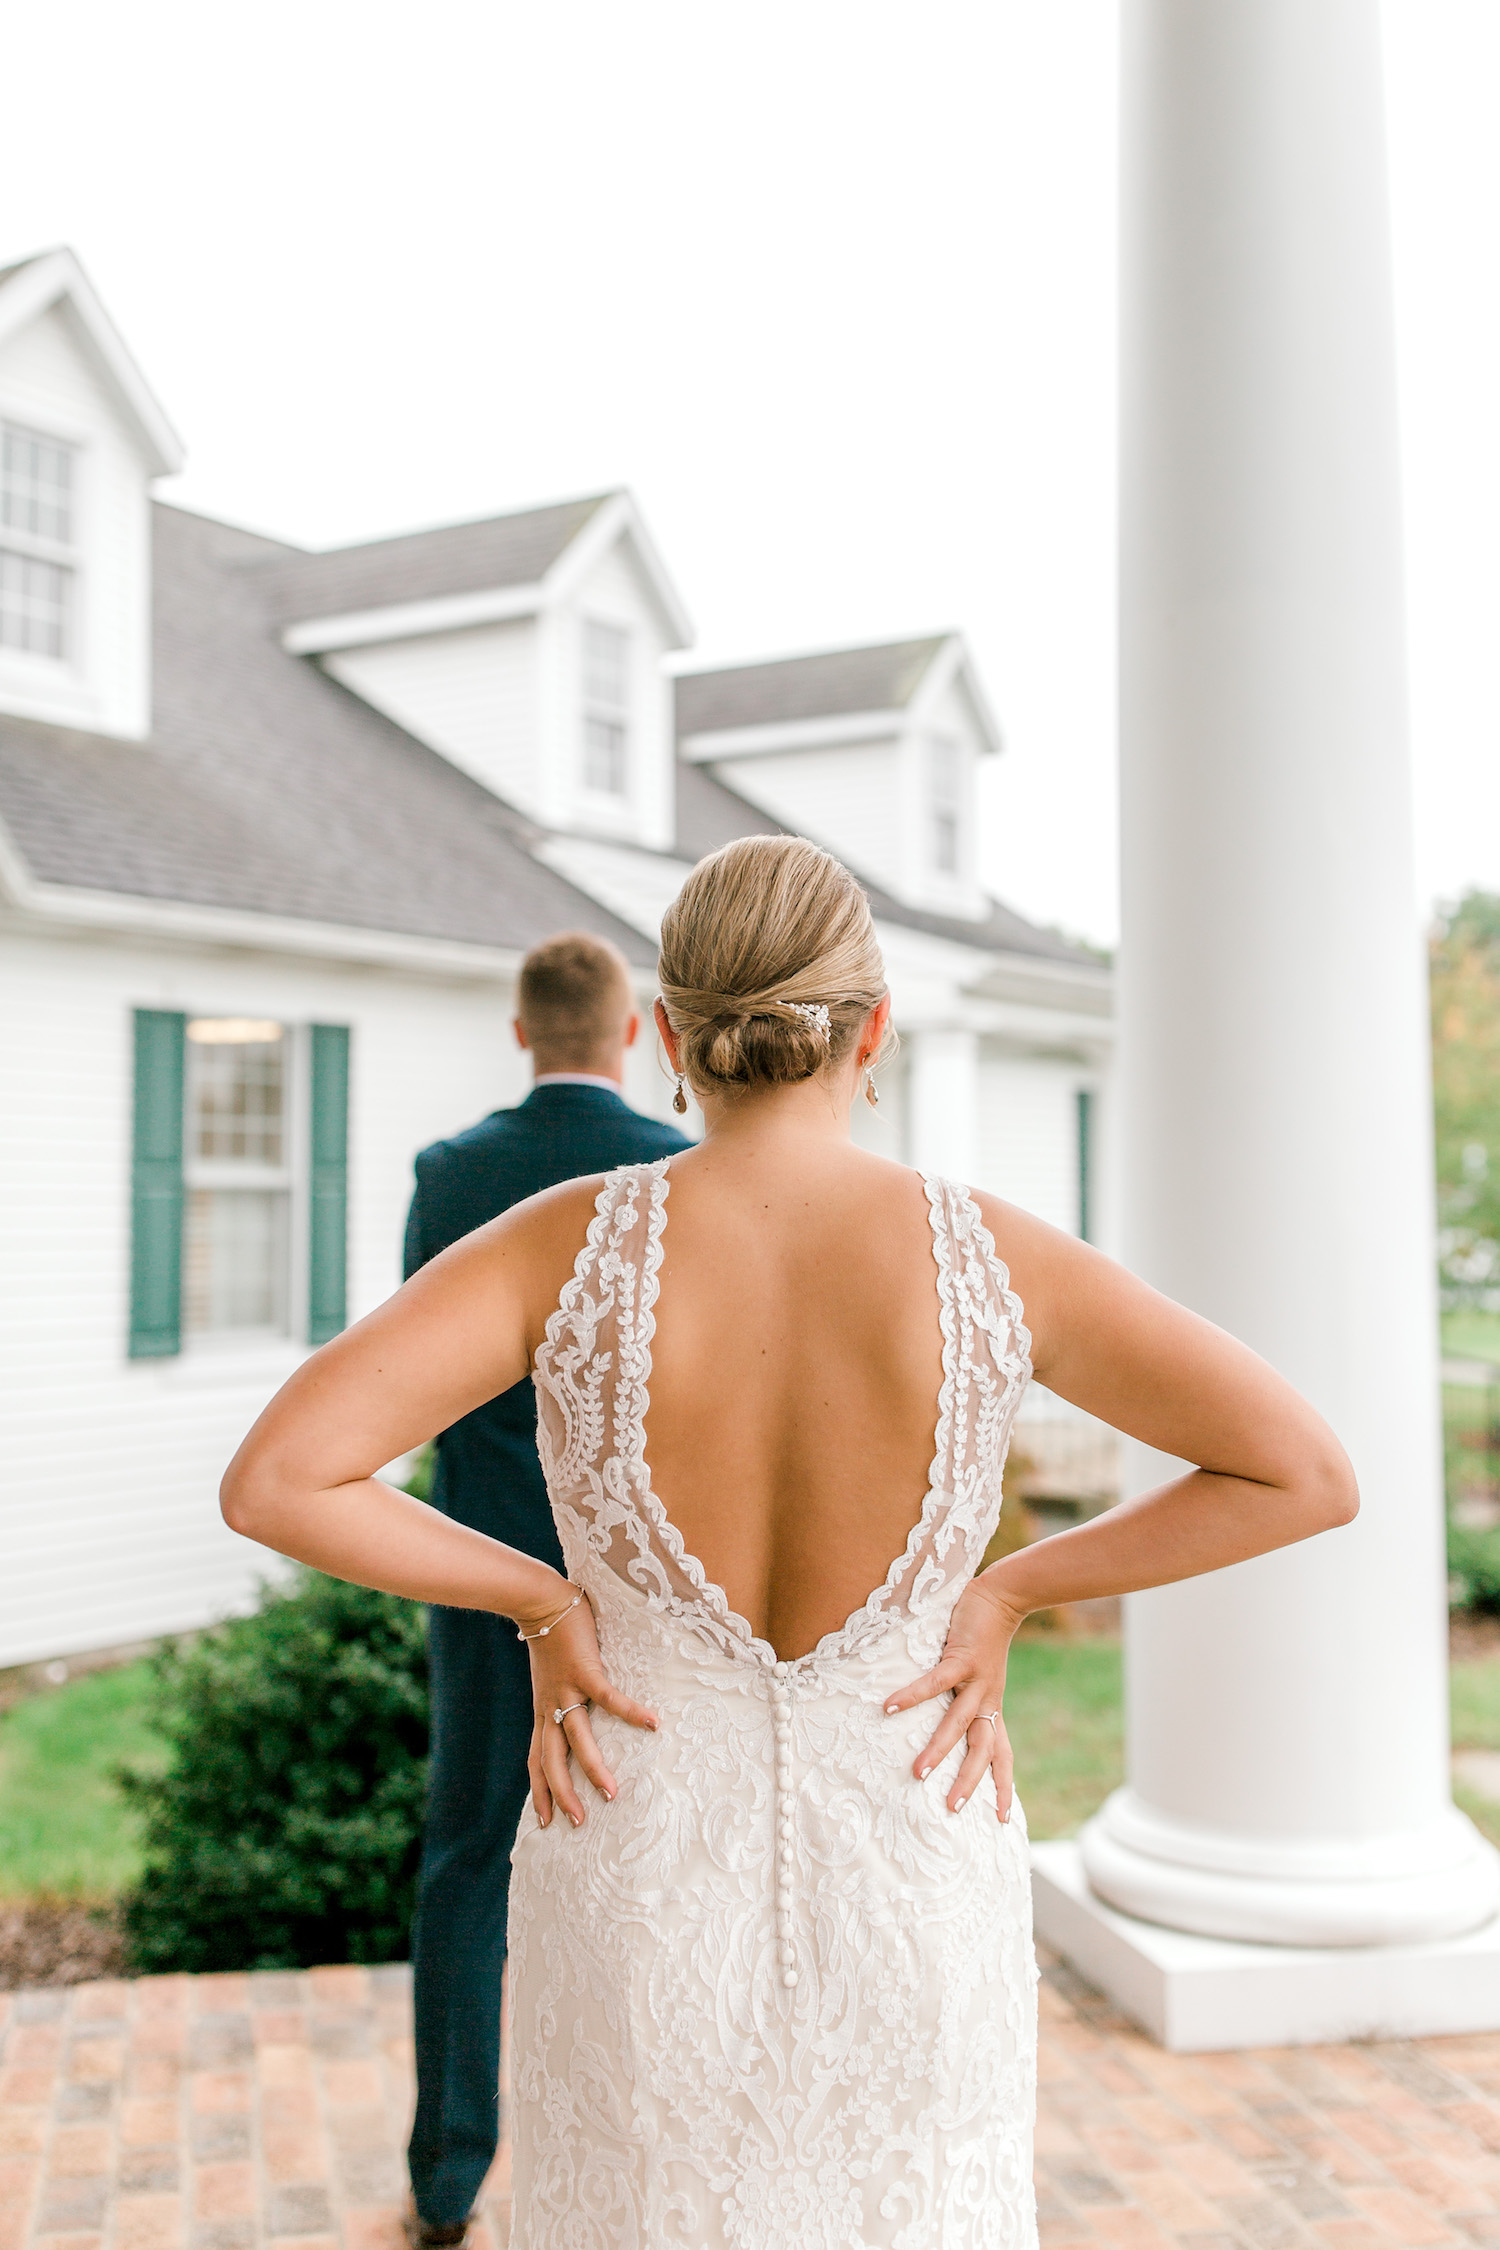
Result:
849,799
108,1515
48,385
471,695
1028,1132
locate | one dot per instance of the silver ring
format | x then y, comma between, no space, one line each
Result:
991,1719
559,1715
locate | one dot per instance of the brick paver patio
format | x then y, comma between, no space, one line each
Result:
268,2113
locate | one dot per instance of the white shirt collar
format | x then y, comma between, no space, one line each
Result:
576,1078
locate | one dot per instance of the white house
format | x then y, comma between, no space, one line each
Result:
276,828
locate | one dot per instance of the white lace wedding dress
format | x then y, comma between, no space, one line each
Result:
775,1995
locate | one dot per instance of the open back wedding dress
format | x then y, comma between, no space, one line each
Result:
775,1996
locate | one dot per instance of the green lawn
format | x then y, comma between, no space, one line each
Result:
1471,1335
1062,1710
63,1826
1475,1704
64,1829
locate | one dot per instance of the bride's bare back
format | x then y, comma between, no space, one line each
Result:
795,1374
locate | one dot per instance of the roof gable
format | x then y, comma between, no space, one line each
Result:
34,286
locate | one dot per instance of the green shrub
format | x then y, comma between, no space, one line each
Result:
1473,1566
285,1831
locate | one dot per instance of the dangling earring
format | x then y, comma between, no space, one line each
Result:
679,1099
872,1091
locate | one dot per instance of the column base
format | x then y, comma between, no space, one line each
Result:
1409,1887
1199,1995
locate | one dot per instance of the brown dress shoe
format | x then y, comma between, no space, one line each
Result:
436,2234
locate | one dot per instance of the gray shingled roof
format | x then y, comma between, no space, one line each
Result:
457,558
710,814
883,677
266,787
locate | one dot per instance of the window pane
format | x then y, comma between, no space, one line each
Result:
33,605
945,797
945,841
234,1260
604,756
238,1090
36,485
606,664
944,769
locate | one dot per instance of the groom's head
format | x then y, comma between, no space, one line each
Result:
575,1010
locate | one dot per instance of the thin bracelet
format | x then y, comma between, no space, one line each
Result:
543,1630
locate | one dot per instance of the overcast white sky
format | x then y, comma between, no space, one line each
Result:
828,282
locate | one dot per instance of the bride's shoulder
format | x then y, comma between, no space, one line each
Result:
557,1215
542,1234
1027,1245
531,1250
1062,1282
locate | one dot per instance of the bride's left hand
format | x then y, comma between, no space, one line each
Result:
972,1670
568,1675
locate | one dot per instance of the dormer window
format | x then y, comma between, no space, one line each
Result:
606,708
945,787
36,543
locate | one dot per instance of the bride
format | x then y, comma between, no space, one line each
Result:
772,1980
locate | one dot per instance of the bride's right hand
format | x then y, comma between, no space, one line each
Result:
972,1671
567,1669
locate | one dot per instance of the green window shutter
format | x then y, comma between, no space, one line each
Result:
156,1186
328,1199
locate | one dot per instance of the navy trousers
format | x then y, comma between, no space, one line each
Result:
481,1733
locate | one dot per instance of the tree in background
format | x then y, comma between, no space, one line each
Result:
1465,974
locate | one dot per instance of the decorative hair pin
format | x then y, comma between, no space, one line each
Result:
814,1012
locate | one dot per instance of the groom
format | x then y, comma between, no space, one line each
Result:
576,1016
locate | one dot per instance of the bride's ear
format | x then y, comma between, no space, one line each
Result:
872,1039
668,1035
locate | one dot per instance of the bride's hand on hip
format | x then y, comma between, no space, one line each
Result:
568,1676
972,1671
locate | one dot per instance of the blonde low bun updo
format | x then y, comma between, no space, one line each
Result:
763,926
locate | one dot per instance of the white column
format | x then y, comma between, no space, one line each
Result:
943,1102
1287,1735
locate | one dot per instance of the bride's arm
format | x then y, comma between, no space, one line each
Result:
460,1331
1268,1472
1268,1469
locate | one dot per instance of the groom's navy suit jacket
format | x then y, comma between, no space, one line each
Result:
488,1474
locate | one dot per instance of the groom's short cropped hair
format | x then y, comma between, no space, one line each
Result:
573,998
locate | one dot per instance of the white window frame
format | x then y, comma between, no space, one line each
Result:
289,1179
606,709
34,547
